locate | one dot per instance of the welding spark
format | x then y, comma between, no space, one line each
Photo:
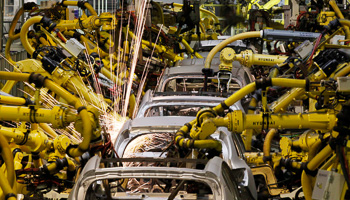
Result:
140,25
145,73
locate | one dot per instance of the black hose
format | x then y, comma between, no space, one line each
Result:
342,164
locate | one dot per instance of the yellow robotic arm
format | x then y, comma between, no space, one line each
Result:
7,184
206,121
37,141
89,119
94,22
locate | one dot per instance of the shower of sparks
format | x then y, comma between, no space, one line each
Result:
144,74
109,117
140,25
120,93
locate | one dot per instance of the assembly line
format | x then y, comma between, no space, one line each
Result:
157,100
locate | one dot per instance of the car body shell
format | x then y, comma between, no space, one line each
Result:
232,146
213,175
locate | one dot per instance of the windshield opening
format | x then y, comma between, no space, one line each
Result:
176,110
189,84
179,110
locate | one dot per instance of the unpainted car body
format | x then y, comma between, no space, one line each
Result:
216,175
232,147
